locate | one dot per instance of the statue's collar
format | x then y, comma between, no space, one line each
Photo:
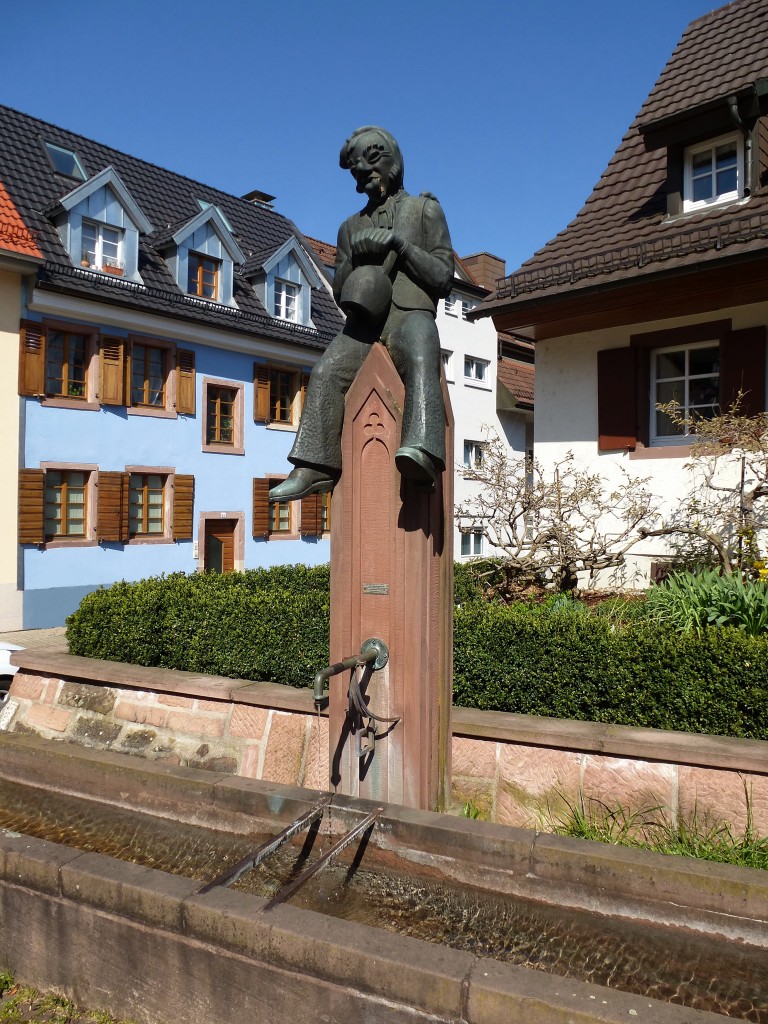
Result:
371,210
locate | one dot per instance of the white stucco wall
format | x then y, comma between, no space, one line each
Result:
10,304
566,419
474,403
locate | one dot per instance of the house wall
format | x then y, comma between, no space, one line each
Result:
10,304
567,420
57,577
474,403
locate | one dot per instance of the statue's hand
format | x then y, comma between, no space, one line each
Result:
374,243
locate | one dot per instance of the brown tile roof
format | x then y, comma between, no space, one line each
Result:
622,230
325,251
14,234
517,378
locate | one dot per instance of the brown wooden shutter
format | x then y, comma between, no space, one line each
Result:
31,359
183,505
112,371
31,506
616,399
312,515
303,390
185,381
112,507
742,368
261,389
261,507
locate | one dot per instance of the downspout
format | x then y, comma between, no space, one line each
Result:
738,120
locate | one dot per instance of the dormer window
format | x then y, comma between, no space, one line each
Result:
714,172
284,282
102,247
458,306
286,301
203,276
201,253
99,223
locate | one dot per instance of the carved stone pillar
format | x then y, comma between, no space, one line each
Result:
391,579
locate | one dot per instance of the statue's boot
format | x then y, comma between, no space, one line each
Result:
301,482
417,466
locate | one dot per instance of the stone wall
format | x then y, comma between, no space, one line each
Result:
513,769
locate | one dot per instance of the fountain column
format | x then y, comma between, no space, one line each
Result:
391,579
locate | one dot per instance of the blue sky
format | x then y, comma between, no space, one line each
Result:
507,111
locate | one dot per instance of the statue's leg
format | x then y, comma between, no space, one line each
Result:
318,439
414,345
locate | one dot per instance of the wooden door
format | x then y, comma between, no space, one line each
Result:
219,545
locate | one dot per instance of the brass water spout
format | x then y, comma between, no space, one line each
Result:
373,652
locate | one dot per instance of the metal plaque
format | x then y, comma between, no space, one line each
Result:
376,588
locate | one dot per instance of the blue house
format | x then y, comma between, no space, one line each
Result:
164,343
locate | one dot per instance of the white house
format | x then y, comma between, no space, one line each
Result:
656,290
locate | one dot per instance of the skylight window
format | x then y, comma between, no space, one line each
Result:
65,161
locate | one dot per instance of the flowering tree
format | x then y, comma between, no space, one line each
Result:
552,528
725,511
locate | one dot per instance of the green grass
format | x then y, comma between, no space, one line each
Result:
652,829
20,1004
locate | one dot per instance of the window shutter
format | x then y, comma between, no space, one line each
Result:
183,505
112,372
31,506
261,508
312,515
185,381
616,399
31,359
112,507
742,368
261,387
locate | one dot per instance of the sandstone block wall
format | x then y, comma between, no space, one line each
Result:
513,769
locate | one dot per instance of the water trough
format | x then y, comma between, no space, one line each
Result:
140,938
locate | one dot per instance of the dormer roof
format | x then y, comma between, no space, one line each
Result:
180,232
110,178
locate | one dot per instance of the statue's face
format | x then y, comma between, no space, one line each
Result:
371,165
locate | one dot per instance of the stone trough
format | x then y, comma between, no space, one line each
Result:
147,944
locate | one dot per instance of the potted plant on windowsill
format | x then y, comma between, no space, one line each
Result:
111,267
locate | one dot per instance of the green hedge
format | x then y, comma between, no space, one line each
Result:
559,661
584,667
262,624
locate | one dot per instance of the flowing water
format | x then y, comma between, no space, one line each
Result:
675,965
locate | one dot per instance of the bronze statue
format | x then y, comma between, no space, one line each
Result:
394,260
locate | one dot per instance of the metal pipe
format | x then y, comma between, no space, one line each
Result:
290,889
365,657
269,847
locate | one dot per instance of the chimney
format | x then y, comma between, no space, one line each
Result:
259,198
485,268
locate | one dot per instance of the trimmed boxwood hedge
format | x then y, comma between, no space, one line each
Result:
272,624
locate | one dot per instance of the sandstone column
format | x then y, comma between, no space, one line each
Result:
392,579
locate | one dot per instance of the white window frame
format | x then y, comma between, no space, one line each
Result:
476,370
473,455
689,203
284,291
458,306
474,543
659,440
100,258
446,356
